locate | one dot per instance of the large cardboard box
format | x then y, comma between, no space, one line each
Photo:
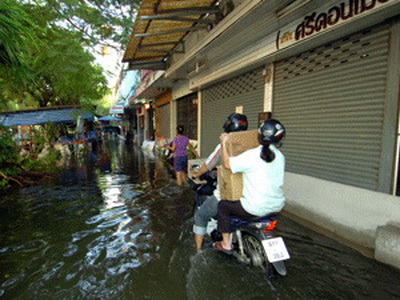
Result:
241,141
231,185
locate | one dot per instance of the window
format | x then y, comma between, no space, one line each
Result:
187,114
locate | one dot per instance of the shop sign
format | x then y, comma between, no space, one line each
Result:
329,17
117,109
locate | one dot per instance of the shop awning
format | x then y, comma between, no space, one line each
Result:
43,116
161,25
109,118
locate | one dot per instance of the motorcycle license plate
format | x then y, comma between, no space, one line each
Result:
275,249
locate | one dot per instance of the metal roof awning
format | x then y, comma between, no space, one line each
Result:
161,25
43,116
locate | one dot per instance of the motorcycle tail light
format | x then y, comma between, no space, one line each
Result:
270,227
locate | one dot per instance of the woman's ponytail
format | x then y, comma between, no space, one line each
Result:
270,132
267,154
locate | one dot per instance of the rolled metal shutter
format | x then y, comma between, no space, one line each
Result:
331,100
221,99
165,121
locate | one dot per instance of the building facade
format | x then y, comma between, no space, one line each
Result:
329,71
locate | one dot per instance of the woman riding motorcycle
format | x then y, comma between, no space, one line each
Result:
209,209
263,174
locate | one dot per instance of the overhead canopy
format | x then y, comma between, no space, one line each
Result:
109,118
43,116
160,26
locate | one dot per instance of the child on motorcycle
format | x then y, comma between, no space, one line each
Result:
209,209
263,174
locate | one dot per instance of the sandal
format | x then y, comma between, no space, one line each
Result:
218,246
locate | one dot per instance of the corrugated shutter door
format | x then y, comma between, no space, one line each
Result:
221,99
331,100
165,120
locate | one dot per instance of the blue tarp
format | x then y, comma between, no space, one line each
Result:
109,118
43,116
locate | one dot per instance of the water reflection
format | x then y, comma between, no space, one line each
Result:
94,228
124,232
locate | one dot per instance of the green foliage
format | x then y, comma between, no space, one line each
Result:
42,56
8,156
16,29
12,165
45,61
46,164
8,148
17,38
39,140
191,154
65,73
107,22
53,131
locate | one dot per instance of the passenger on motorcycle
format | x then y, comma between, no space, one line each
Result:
263,174
209,209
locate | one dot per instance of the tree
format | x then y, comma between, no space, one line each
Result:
47,41
106,22
65,73
59,71
17,36
16,29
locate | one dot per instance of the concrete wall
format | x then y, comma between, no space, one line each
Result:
351,213
180,89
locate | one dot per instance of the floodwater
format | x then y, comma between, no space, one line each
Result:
118,227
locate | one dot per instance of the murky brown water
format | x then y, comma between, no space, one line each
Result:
117,227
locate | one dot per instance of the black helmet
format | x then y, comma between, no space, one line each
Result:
271,132
235,122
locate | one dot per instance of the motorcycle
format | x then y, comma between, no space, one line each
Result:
205,188
254,241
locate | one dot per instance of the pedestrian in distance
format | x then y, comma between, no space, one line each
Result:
179,147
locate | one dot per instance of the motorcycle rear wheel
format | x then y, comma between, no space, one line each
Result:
255,252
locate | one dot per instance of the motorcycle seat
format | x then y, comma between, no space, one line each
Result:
266,218
238,222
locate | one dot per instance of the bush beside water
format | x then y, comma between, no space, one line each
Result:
18,169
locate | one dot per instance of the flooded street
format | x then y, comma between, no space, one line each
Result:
118,227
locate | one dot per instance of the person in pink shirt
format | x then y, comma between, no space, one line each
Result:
180,143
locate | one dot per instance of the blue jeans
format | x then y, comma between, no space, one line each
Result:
207,210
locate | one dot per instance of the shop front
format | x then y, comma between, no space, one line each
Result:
333,101
163,115
329,70
331,75
241,94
